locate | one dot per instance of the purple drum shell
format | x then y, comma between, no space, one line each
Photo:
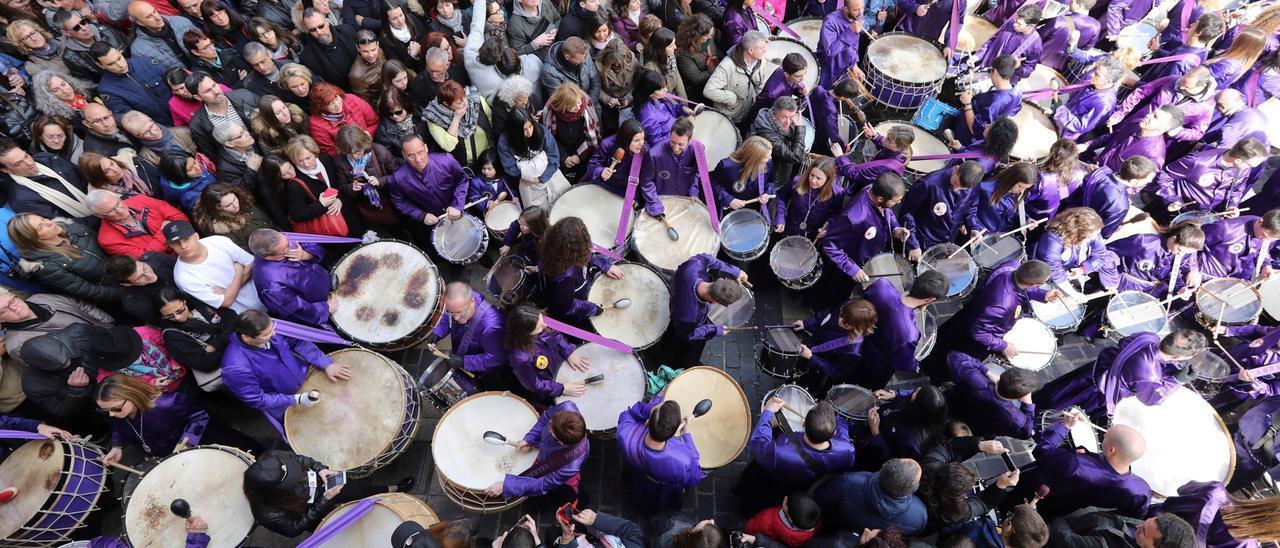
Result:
82,483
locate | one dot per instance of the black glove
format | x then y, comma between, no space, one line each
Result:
455,361
433,338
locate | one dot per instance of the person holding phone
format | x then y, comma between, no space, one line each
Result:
289,494
560,436
598,529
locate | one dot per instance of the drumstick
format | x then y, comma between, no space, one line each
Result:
1027,226
128,469
1232,211
618,304
671,230
475,203
757,199
972,239
793,411
445,357
1227,354
1221,310
618,155
1020,351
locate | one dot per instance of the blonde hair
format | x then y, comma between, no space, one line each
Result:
20,28
133,390
1268,19
1253,518
1075,225
753,155
566,97
901,137
22,230
298,144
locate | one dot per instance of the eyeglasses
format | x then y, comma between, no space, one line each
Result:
76,27
30,35
12,306
366,41
174,315
115,409
204,46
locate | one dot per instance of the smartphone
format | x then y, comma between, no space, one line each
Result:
329,193
565,513
1008,462
335,480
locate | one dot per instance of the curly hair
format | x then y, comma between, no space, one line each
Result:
209,217
1001,135
47,103
1075,225
567,244
322,94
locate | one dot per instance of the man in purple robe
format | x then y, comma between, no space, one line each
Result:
1107,192
1147,260
1086,108
1187,54
696,285
290,280
659,452
1210,180
673,168
265,369
1018,40
1232,246
991,405
1142,365
1235,122
1255,442
1147,138
429,185
560,437
934,207
839,41
787,79
825,105
892,346
1001,100
1192,93
1262,351
1122,13
1056,34
861,232
927,19
979,328
824,441
475,329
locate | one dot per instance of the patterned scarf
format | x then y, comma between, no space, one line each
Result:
441,115
592,125
454,23
358,169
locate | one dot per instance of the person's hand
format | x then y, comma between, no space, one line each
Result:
614,273
459,113
742,278
523,447
1072,417
255,161
774,404
182,444
78,378
1077,272
334,207
575,389
196,524
327,473
946,53
543,40
161,382
430,219
330,494
1194,279
460,42
683,428
453,213
1245,375
327,200
921,10
797,325
113,456
297,254
1010,350
55,433
861,277
1231,213
884,395
494,490
606,173
859,25
573,161
805,352
737,204
579,363
867,536
414,48
856,73
914,255
1008,479
779,228
502,251
16,81
566,530
219,291
873,420
333,303
1175,206
338,372
966,97
356,185
992,447
1052,296
822,231
868,131
1266,271
585,517
359,20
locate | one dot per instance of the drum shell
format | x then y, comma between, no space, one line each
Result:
80,483
233,490
896,93
477,226
417,335
861,395
800,400
1132,299
512,266
1210,321
404,506
805,280
776,362
744,219
498,230
990,252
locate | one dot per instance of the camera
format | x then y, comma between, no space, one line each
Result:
735,539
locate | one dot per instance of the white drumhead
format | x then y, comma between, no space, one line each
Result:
642,323
798,399
780,46
737,314
689,217
975,32
718,136
458,239
1132,312
793,257
1186,441
598,208
1271,108
211,479
623,385
1042,78
386,290
809,29
458,447
1137,36
501,216
1229,298
892,267
1270,291
375,527
722,433
907,58
28,468
1036,133
925,144
1059,314
1035,342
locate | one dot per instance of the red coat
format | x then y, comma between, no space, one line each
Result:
156,213
769,523
354,111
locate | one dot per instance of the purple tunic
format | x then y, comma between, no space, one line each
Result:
442,185
1226,71
176,416
1253,426
1267,197
688,311
1174,32
857,234
1146,264
537,369
483,191
1083,111
1231,248
566,292
1112,149
933,211
893,344
1092,255
1043,199
1261,83
1055,35
1105,194
1198,112
1237,391
776,86
1133,368
987,107
794,209
1226,131
266,379
666,472
194,540
656,117
1176,67
985,319
735,24
827,126
1200,181
514,486
1077,480
672,175
837,47
860,175
1122,13
780,454
834,360
934,20
1001,216
724,182
617,184
974,400
1026,47
479,341
1200,503
297,291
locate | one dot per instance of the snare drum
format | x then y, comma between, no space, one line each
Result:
1082,435
1208,373
623,385
780,353
744,234
994,250
1138,37
507,279
925,144
467,464
851,401
641,324
599,209
779,46
955,264
211,478
1062,316
460,241
1037,345
798,399
1042,78
722,433
809,29
718,134
927,324
360,424
690,218
975,32
1229,301
1133,312
796,262
375,527
499,219
444,385
59,484
1036,134
892,266
737,314
389,295
903,70
1186,441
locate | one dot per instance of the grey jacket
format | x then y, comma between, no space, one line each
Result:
733,88
522,28
155,48
244,101
66,311
556,71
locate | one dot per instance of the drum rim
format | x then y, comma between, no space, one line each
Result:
913,85
631,224
656,272
56,493
779,416
1031,107
504,229
1222,426
746,405
817,265
152,463
524,276
976,47
398,497
483,229
860,388
973,270
413,337
755,216
435,463
1053,336
455,493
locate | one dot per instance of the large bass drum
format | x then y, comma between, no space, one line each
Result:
375,527
210,478
903,70
690,218
641,324
722,433
59,484
466,464
389,295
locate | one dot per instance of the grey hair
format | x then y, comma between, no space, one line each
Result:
47,103
255,49
513,87
752,39
436,54
366,34
311,12
96,196
263,241
1111,68
899,478
133,118
785,102
223,132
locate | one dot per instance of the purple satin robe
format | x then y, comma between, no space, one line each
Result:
537,369
483,191
617,184
479,341
1200,181
794,210
1226,72
688,311
1055,35
973,399
827,126
933,211
1044,198
1197,111
1176,67
980,326
1231,248
1009,42
1127,141
780,453
657,117
987,107
858,233
673,175
1083,111
1237,391
736,23
837,47
1001,216
724,182
1133,368
1200,503
833,363
266,379
776,86
860,175
1146,264
934,20
666,472
297,291
1104,193
1253,426
1122,13
1226,131
176,416
566,292
540,437
1078,480
893,344
1092,255
441,186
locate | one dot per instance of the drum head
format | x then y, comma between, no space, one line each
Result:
1042,78
458,239
798,399
793,257
458,447
851,400
30,469
641,324
907,58
1186,441
778,47
1063,313
1270,291
952,262
690,218
1036,344
367,282
1137,36
506,277
1208,366
927,323
598,208
499,218
722,433
737,314
623,385
809,29
375,527
782,340
993,250
348,428
1132,312
743,230
975,32
211,478
1201,218
718,135
1036,133
894,268
1230,299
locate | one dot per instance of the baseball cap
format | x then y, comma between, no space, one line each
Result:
177,230
411,534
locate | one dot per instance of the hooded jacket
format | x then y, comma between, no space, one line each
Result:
50,361
855,501
557,71
523,27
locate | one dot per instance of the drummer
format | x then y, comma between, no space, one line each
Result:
1205,29
1073,248
859,233
1018,40
536,354
991,405
834,343
1001,100
825,442
429,185
1262,351
1192,92
827,106
892,157
488,187
805,205
673,167
999,205
565,258
1056,33
1107,192
560,437
1148,138
893,343
1231,246
1209,180
1146,260
745,175
524,235
1142,365
1255,443
1086,108
787,79
290,280
695,285
928,19
475,329
658,452
935,207
839,43
615,171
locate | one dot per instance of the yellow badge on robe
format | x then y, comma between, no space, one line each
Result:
1017,312
541,362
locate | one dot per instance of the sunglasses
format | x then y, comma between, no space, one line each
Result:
115,409
76,26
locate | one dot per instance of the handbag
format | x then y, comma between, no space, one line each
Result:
325,225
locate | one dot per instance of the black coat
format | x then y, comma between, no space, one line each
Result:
139,302
288,523
24,200
332,62
184,340
303,207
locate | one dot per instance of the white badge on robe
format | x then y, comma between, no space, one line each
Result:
1236,248
940,209
871,233
1146,265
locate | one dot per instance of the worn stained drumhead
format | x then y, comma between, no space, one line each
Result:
959,268
809,29
975,32
385,291
641,324
357,419
722,433
907,58
779,46
793,257
1186,441
375,527
598,208
1036,133
211,479
623,385
1230,298
501,216
459,450
35,469
689,217
1036,344
797,398
736,314
851,400
1132,312
718,135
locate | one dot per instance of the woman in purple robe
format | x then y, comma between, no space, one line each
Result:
804,206
1072,247
892,156
739,17
560,436
744,175
566,257
142,416
536,354
614,172
1239,58
652,107
998,204
833,346
1060,175
907,423
1222,520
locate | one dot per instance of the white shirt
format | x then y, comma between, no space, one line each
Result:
218,270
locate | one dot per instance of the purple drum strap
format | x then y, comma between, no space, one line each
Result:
586,335
20,435
1251,87
700,158
301,238
769,18
947,156
1049,91
340,524
633,181
606,251
1026,43
308,333
1184,18
1178,57
557,460
831,345
953,31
